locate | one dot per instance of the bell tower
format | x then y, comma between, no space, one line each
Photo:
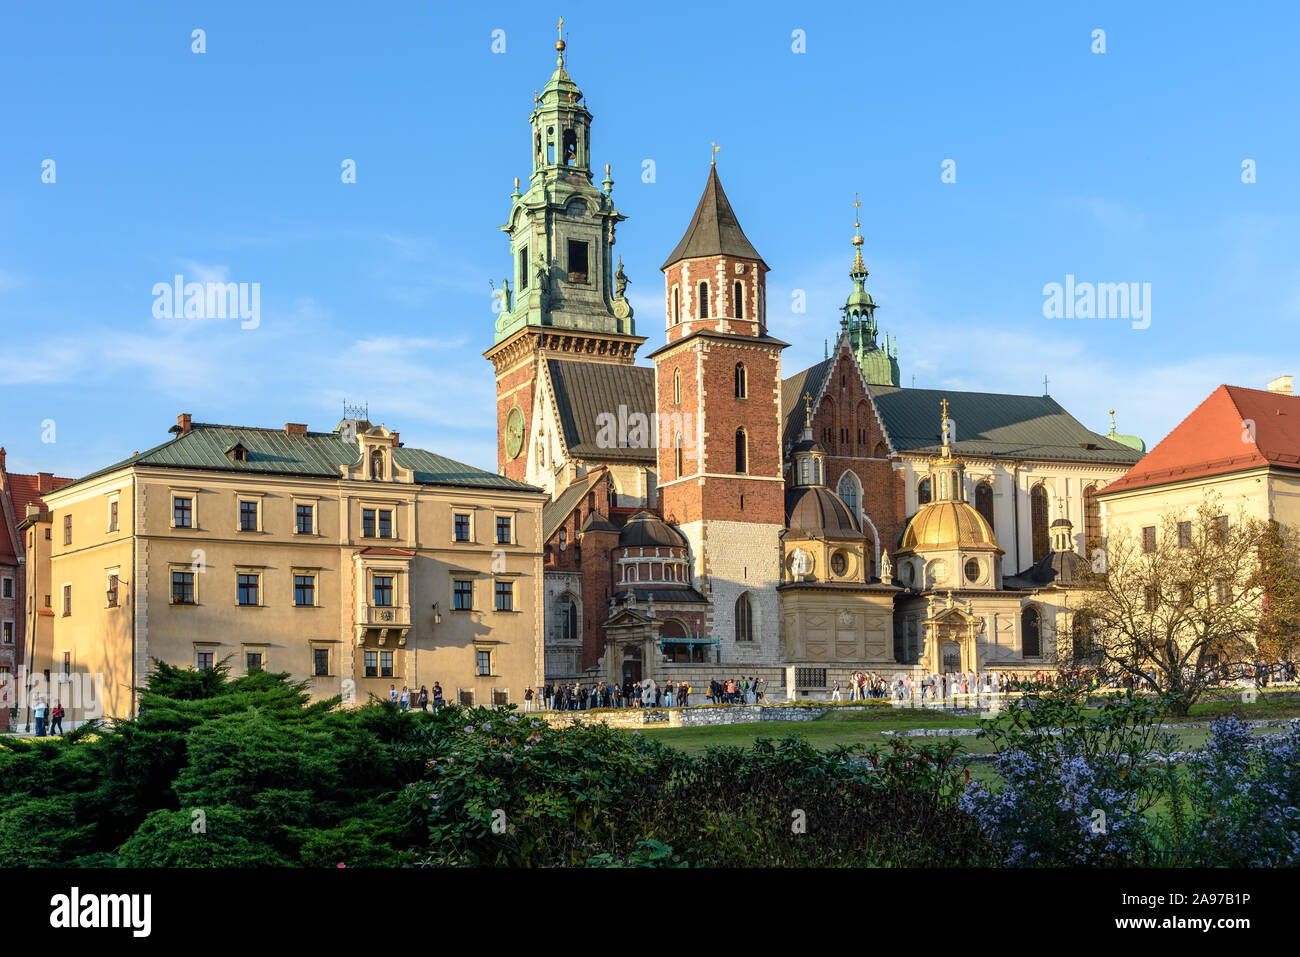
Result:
718,395
563,294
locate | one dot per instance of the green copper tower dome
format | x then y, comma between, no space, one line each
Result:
561,227
878,366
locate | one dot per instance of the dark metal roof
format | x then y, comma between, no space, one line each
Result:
310,454
990,424
1055,568
814,511
645,529
585,391
810,380
714,229
661,595
556,511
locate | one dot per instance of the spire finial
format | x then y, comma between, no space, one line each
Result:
943,425
807,410
857,220
713,160
559,43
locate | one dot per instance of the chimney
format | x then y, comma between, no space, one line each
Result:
182,423
32,509
295,428
44,482
1281,385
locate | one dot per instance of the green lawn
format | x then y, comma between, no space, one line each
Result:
864,727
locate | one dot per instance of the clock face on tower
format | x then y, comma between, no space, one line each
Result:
515,432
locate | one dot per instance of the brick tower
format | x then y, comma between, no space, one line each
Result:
564,295
718,395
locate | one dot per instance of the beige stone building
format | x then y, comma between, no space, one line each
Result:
344,558
1241,445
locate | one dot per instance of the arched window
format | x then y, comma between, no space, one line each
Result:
677,387
923,492
742,452
880,452
1031,638
1085,633
848,490
739,296
1091,519
677,305
677,454
740,380
565,625
1038,520
704,300
984,501
744,619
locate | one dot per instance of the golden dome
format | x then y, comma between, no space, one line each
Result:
948,525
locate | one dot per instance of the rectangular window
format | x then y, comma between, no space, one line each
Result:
303,517
203,660
248,516
1149,539
7,632
505,596
383,591
385,664
577,261
112,591
1151,598
385,523
367,523
372,664
247,589
112,515
503,529
67,662
321,662
462,595
1184,534
522,283
182,588
67,529
462,527
1221,591
304,590
67,600
1221,528
182,512
254,661
484,660
7,588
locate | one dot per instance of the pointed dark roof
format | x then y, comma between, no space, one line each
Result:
714,230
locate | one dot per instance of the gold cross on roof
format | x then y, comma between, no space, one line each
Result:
944,406
559,28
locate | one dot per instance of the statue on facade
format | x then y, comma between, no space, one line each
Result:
620,280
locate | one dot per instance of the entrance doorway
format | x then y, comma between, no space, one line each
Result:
951,657
632,663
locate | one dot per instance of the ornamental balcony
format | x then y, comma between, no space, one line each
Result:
383,622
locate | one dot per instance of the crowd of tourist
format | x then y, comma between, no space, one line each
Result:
860,686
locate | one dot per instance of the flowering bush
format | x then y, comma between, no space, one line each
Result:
1243,795
1075,785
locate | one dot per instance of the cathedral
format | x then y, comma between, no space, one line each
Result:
711,516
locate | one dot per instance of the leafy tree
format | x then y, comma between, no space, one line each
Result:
1160,613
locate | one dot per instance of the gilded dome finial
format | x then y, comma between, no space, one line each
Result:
559,44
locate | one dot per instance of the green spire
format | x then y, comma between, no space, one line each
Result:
878,367
561,227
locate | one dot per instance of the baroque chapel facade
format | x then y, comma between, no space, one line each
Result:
709,516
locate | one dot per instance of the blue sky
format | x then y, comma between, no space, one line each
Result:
1123,166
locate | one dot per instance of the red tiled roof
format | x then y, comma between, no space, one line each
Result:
24,489
1233,430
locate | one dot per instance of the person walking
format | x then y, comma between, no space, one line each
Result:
684,692
392,694
424,698
39,712
437,697
528,699
57,714
405,698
